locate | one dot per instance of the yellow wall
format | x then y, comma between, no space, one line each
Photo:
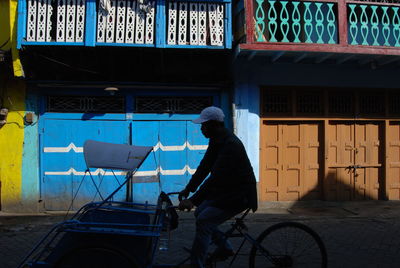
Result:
4,26
12,93
11,144
8,33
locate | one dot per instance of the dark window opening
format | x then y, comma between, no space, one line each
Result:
278,102
372,104
85,104
341,103
182,105
309,102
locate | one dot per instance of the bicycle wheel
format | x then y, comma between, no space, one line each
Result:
288,244
95,257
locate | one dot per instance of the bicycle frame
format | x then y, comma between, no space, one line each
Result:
241,228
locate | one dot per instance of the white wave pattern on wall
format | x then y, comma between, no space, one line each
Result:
103,172
158,146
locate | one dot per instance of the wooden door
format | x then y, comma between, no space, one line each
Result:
353,160
290,157
393,161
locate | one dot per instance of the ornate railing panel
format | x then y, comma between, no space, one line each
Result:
373,25
127,21
295,21
195,23
60,20
151,23
348,26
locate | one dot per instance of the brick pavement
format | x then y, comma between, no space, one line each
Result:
360,235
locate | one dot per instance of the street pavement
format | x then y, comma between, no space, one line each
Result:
356,234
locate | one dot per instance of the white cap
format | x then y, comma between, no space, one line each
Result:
210,113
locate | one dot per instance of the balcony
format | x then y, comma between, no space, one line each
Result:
140,23
327,26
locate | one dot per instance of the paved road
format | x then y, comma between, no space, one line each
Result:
358,235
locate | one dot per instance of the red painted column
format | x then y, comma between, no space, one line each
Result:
249,21
342,22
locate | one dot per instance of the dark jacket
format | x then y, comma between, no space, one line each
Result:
231,183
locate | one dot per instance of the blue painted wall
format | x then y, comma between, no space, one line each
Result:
248,120
30,159
59,146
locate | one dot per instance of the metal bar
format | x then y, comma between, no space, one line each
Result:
38,244
237,252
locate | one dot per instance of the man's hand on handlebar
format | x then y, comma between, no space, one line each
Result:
183,194
185,204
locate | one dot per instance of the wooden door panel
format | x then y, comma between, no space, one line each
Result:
271,166
367,148
292,152
340,155
354,160
290,156
312,158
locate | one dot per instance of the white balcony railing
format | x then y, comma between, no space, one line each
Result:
170,23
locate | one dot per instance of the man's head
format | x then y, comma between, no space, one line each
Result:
211,119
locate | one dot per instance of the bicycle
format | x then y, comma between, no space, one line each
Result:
285,244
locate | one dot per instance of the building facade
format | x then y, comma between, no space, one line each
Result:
132,72
310,87
316,96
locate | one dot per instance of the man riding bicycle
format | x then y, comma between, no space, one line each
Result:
230,188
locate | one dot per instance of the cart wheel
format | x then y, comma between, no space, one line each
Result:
95,257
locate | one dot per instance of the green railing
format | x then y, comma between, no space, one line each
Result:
373,25
327,22
295,21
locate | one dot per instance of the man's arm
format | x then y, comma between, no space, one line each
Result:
202,171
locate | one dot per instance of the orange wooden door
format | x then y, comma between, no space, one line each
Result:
393,161
354,160
290,157
340,179
368,160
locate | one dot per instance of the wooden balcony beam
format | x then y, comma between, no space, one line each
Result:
344,59
327,48
277,55
366,60
389,60
251,55
323,58
300,57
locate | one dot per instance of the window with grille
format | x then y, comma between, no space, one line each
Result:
309,102
341,103
163,104
85,104
394,104
277,102
372,103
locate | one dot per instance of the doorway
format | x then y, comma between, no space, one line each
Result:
354,160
